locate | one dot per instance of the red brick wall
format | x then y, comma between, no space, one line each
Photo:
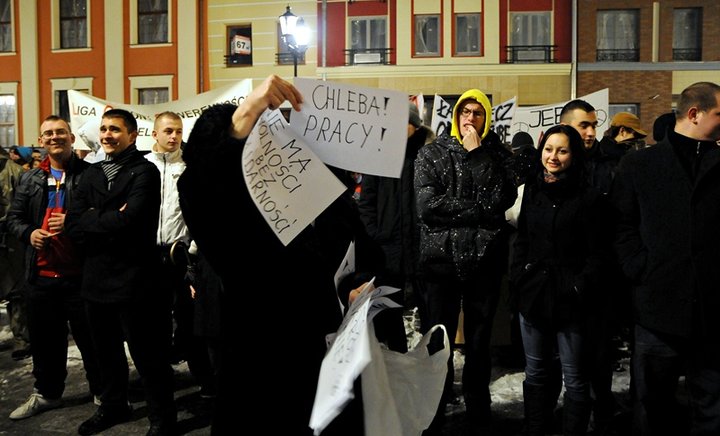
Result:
638,87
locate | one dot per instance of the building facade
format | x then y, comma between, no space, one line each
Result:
542,51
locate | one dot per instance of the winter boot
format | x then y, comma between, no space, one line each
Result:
534,402
576,416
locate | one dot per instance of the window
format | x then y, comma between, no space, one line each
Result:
153,95
427,35
617,36
152,18
368,33
467,34
6,26
613,109
73,23
687,34
368,41
530,37
7,120
61,103
285,55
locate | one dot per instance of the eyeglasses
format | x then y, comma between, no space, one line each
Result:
49,133
477,113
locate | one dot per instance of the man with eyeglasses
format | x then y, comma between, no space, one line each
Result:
463,189
53,268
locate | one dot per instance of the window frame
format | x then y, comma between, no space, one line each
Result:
82,84
456,33
74,19
144,82
614,108
9,90
284,54
135,25
605,54
368,33
681,53
417,33
10,25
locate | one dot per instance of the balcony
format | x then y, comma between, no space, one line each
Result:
686,54
618,55
368,56
524,54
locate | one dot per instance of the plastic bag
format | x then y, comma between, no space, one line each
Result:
401,391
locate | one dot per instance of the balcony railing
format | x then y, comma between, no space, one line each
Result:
686,54
520,54
286,58
618,55
368,56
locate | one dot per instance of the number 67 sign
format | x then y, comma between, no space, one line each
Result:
241,45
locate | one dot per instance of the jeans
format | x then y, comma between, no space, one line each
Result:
658,362
542,347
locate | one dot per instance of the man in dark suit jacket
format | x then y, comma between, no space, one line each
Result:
668,244
115,218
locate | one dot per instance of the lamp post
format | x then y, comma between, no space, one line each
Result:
295,34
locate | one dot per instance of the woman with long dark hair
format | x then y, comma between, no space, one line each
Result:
558,257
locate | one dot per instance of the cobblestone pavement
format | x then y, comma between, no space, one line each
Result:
16,382
194,413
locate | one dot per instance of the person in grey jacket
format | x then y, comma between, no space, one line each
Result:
463,189
668,245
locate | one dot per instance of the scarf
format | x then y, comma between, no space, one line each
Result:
111,166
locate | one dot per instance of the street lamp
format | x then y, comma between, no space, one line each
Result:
295,34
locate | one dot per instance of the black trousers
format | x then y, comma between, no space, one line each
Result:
52,304
658,362
146,326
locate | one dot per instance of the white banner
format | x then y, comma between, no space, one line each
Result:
441,120
287,181
536,119
86,112
354,128
502,118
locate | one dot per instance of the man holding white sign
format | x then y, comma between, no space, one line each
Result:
264,163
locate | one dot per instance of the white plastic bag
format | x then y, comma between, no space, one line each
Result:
401,391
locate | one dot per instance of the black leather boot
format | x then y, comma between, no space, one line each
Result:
534,402
576,415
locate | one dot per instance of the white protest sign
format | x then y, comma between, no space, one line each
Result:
86,111
349,354
347,266
441,119
354,128
536,119
288,183
502,117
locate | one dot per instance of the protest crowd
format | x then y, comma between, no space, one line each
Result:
329,221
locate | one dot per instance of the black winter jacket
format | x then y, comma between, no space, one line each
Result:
461,200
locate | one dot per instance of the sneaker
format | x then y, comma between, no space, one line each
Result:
97,400
35,404
103,419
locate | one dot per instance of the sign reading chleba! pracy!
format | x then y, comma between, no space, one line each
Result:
353,128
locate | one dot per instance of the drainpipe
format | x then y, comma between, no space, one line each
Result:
574,60
201,40
323,17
